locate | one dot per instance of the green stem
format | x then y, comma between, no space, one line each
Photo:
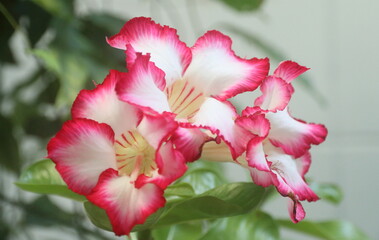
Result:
145,235
9,17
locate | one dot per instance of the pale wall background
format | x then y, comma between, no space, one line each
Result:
339,40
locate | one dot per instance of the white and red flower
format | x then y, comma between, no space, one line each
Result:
193,83
279,153
119,158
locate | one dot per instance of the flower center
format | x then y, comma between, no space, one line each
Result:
134,154
184,100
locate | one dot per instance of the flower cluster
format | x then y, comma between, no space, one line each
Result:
133,135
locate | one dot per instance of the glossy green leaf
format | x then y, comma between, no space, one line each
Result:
41,177
257,225
223,201
184,231
276,55
329,230
243,5
180,189
328,191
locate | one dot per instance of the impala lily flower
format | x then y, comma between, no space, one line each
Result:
193,83
119,158
279,153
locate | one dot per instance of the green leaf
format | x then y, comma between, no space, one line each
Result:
41,177
224,201
257,225
328,191
184,231
180,189
243,5
329,230
277,55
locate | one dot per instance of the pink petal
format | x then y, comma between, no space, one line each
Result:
81,150
102,105
171,165
261,178
294,136
218,72
125,204
161,42
255,155
219,118
157,128
276,94
289,180
143,86
295,210
289,70
190,141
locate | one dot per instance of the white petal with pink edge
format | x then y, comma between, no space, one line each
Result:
143,86
219,117
125,204
161,42
289,179
102,105
261,178
82,150
294,136
217,71
289,70
276,94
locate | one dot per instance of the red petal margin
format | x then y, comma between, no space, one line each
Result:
289,70
143,86
82,150
218,72
125,204
162,42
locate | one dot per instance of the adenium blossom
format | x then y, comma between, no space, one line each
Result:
279,153
118,157
193,83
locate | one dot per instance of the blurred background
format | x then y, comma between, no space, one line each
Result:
51,49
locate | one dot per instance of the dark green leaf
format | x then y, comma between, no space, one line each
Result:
256,225
329,230
41,177
184,231
328,191
276,55
243,5
223,201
